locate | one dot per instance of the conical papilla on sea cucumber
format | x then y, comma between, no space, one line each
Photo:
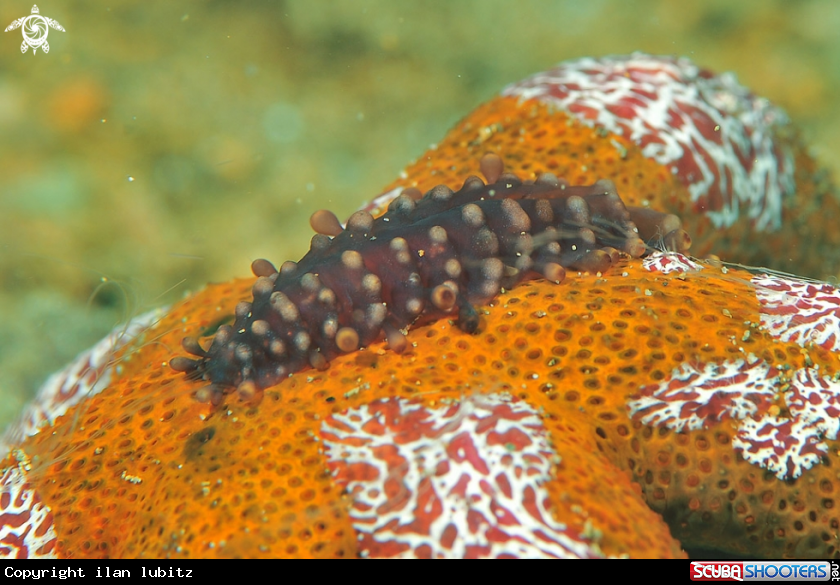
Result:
429,256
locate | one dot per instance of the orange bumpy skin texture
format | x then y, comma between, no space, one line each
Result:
685,409
173,477
144,470
532,138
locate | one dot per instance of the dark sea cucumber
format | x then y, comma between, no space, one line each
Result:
428,257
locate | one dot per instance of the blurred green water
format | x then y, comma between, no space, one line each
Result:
162,145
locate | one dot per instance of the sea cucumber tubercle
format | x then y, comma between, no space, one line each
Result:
428,257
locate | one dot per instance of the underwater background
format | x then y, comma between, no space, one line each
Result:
162,145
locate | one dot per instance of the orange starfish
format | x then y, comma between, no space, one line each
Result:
664,403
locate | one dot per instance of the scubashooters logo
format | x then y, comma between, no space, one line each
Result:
765,571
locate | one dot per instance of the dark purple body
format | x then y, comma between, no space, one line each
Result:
422,260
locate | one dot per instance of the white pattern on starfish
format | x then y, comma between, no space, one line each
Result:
745,391
789,446
692,398
456,481
815,399
710,130
26,524
784,446
666,262
799,311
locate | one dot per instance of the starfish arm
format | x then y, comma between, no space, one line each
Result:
54,24
23,47
45,47
15,24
